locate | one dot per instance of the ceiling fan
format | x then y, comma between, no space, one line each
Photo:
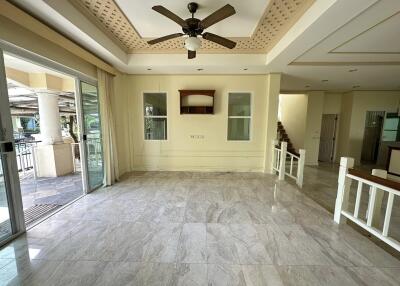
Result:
194,27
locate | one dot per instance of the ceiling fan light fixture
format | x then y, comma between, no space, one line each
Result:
192,43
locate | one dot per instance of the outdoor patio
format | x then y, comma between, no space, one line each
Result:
43,195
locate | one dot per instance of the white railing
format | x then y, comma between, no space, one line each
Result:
280,157
375,191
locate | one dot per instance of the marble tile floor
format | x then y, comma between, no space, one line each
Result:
179,228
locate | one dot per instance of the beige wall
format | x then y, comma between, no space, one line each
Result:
22,37
364,101
344,125
180,151
272,106
293,114
313,126
301,115
332,103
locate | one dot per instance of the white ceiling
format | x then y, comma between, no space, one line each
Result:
150,24
331,38
382,38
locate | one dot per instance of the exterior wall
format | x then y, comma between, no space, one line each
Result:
180,151
293,114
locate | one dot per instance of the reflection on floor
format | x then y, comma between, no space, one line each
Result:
43,195
320,184
169,228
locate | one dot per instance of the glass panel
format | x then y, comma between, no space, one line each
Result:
155,128
91,122
239,104
155,104
5,223
391,124
389,135
238,128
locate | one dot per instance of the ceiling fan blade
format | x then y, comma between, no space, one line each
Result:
191,54
219,40
165,38
167,13
217,16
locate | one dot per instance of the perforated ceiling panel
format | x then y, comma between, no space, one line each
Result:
279,16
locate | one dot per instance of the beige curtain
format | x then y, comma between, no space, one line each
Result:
106,92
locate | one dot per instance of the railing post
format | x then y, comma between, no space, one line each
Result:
344,184
274,157
375,204
282,161
300,167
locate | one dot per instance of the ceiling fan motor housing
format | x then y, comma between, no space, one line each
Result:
194,28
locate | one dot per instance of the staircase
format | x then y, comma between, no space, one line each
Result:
283,136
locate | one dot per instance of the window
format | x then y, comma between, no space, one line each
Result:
239,116
155,116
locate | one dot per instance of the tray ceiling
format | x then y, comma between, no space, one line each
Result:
277,19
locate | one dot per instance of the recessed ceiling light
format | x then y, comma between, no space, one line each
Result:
356,86
353,70
200,69
149,69
324,80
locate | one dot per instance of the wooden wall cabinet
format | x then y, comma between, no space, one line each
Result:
196,101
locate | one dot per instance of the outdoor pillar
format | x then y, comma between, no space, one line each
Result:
53,157
49,115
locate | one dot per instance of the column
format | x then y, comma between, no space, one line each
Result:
49,114
53,157
273,91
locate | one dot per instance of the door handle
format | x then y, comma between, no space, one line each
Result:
6,147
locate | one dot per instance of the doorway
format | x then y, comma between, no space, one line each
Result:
43,111
50,118
328,138
372,136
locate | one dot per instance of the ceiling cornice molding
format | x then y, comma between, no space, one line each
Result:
278,18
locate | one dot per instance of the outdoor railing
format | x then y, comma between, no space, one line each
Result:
24,153
280,160
378,185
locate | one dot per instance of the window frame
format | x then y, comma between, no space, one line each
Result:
155,116
244,117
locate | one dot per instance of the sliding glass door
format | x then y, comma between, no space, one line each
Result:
5,220
11,218
92,134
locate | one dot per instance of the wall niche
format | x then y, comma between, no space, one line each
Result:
196,101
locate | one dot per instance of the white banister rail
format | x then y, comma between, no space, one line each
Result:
377,186
280,160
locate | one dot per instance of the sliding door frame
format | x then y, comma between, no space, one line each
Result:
9,162
79,77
